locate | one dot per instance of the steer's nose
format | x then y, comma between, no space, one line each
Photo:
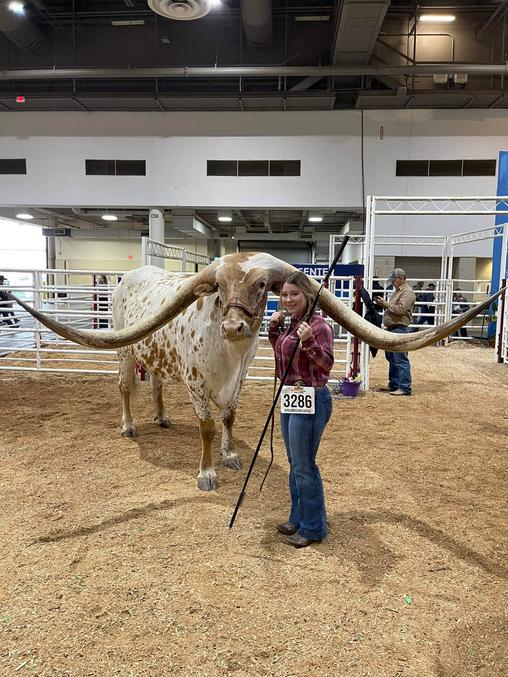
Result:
234,330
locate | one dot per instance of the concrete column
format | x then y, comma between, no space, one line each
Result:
156,232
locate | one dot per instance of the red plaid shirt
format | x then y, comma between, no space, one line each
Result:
314,359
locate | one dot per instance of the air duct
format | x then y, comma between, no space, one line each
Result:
257,23
19,29
185,222
181,10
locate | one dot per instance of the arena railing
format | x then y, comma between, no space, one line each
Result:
77,298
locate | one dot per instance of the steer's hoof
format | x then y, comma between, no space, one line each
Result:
129,432
207,482
163,422
232,461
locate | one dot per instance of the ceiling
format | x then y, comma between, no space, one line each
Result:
245,224
254,55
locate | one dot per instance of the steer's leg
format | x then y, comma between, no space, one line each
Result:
229,457
161,416
207,478
200,398
126,372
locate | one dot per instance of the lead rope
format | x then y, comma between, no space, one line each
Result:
271,429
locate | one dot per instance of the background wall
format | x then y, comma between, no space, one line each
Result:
176,147
114,255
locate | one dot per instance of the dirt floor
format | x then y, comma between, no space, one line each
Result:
113,563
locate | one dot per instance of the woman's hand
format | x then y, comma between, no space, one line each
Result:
304,331
277,319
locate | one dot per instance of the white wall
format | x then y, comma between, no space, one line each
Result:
176,147
112,255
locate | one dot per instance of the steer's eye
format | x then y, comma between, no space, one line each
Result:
262,285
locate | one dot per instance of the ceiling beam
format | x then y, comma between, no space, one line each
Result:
212,72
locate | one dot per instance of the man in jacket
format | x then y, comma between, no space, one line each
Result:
397,315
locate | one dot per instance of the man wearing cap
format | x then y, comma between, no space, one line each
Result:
397,318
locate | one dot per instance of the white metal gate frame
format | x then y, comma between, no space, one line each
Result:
429,206
74,297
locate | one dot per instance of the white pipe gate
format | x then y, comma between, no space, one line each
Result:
77,298
425,206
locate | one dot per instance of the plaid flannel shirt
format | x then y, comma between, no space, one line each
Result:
314,358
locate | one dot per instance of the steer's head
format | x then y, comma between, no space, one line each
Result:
242,283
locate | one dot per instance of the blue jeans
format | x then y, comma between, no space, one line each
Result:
302,434
399,373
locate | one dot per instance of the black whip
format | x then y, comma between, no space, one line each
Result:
274,403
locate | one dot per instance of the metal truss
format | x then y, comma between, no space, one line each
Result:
432,240
163,251
441,205
160,250
477,235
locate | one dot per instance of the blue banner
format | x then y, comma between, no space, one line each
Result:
320,269
502,189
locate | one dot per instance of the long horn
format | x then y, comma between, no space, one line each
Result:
385,340
379,338
92,338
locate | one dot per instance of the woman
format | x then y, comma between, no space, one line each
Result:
302,432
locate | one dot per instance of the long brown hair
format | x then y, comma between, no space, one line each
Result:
300,280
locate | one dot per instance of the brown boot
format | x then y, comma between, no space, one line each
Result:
287,528
299,541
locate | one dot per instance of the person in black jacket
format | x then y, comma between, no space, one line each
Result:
428,307
371,313
459,306
5,305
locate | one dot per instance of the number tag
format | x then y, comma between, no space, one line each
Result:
297,400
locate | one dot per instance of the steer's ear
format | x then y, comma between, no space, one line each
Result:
204,289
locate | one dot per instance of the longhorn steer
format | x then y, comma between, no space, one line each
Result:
210,342
209,346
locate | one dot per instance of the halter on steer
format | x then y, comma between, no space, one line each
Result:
234,302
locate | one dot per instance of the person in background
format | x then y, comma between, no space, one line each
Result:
397,315
428,307
302,432
459,306
6,306
377,290
417,288
103,300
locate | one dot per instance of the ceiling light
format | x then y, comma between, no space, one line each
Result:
16,7
109,217
225,215
215,3
128,22
437,18
314,217
313,17
24,216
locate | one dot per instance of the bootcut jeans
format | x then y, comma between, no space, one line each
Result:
399,372
302,434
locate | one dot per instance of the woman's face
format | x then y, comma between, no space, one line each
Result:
293,299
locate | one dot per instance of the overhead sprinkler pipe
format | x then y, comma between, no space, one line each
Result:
187,72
